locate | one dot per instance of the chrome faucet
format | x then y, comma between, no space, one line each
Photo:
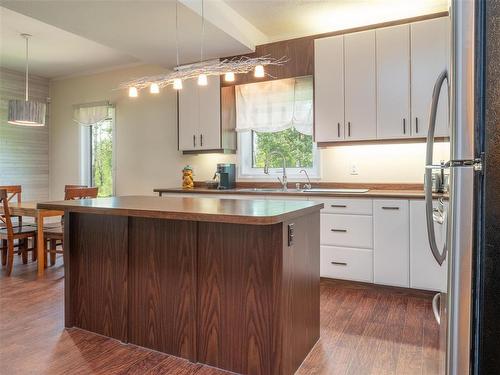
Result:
308,185
284,179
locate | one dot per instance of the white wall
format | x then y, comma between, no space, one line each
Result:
146,141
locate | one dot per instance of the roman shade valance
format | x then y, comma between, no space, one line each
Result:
90,114
274,106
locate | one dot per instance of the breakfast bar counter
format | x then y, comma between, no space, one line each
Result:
229,283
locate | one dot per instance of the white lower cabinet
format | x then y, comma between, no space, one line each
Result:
425,272
347,230
391,253
347,263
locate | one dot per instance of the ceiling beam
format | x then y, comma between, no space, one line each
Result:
222,16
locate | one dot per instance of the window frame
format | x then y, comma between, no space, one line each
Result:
246,158
86,177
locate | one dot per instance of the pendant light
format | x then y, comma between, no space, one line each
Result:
132,92
26,112
202,78
259,71
229,77
154,88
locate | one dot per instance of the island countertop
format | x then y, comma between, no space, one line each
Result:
259,212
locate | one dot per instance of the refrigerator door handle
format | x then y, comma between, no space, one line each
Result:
430,214
436,300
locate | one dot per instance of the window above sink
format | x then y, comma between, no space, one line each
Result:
276,116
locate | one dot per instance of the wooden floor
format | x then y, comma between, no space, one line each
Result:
364,330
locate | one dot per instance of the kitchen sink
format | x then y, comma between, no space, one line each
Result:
320,190
261,190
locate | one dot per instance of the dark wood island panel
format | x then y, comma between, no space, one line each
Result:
257,296
238,296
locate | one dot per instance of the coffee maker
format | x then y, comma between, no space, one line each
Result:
227,176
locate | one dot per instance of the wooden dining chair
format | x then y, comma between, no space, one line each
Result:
54,236
9,234
13,194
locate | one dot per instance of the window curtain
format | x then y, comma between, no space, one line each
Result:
275,106
90,114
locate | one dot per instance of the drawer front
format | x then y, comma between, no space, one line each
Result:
347,230
347,263
345,206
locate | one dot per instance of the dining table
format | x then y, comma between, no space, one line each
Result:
29,209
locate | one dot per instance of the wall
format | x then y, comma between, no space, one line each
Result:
24,151
146,134
146,142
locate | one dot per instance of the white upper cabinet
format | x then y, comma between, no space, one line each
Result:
209,129
329,89
360,86
199,115
430,55
393,82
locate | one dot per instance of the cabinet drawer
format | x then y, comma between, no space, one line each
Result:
347,263
345,206
347,230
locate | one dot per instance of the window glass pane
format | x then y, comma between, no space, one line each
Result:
102,158
296,147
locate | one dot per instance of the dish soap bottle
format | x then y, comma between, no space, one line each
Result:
187,178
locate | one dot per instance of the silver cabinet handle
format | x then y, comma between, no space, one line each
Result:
404,126
201,140
339,263
339,230
194,140
390,208
349,129
338,129
416,125
338,206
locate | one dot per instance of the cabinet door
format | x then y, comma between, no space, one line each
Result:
189,113
430,55
393,82
391,255
329,89
425,272
360,92
209,128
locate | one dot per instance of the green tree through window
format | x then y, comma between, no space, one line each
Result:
102,157
296,147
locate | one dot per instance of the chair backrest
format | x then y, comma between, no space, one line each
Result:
13,191
81,193
66,187
5,216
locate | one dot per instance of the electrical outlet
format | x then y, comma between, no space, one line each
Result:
353,170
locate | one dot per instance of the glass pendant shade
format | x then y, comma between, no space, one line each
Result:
177,84
202,80
26,113
259,71
229,77
132,92
154,88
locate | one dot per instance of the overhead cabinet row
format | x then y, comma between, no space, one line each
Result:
378,84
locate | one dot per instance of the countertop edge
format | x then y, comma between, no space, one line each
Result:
186,216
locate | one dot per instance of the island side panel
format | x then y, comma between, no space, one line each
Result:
239,295
162,285
98,273
301,290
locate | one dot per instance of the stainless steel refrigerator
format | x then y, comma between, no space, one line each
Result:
453,309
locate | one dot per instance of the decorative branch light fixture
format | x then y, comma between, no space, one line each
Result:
26,112
227,67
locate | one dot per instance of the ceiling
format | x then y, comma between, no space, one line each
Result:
75,36
286,19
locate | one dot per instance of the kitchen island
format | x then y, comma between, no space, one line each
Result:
229,283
